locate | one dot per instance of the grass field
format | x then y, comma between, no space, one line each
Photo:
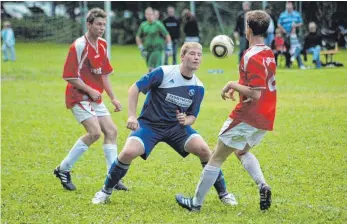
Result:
304,159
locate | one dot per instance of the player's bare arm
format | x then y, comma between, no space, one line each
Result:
133,96
168,45
140,46
138,41
79,84
295,25
253,93
168,39
281,28
109,91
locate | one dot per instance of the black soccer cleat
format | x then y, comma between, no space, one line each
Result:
187,203
120,186
65,179
265,197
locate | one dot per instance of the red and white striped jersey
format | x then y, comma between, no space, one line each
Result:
88,63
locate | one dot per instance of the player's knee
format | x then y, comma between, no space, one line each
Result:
216,160
204,154
111,133
239,153
128,155
198,147
200,150
94,136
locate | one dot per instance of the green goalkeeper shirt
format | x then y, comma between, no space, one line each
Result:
152,35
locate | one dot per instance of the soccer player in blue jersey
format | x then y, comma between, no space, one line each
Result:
174,94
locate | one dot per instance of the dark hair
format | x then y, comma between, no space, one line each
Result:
94,13
258,21
290,2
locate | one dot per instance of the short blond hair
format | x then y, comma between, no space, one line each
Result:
189,45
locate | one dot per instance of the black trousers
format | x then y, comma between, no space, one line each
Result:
286,55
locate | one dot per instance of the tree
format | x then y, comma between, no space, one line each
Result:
325,11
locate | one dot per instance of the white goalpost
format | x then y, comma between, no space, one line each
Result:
107,7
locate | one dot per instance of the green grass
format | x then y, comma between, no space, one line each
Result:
304,158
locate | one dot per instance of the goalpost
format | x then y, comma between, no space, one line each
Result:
107,8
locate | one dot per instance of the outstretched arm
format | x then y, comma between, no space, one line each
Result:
253,93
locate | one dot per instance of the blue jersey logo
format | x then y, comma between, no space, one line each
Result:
191,92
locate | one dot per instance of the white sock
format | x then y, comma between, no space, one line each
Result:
208,177
110,152
75,153
251,164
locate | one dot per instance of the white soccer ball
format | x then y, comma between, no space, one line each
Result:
222,46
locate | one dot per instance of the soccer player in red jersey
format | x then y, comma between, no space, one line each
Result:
87,69
252,117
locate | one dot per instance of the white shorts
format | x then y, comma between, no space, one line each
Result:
85,109
237,137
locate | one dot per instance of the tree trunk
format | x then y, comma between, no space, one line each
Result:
325,11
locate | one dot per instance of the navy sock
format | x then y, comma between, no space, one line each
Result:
116,172
220,184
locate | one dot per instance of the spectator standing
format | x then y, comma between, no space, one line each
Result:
156,14
272,26
289,19
191,28
172,24
239,32
8,41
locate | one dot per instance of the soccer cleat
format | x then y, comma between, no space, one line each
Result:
228,199
265,197
101,198
120,187
65,179
187,203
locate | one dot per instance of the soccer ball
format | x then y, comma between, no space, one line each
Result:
222,46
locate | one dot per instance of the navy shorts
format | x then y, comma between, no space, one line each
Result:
177,136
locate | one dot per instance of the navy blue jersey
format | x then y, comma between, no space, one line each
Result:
168,91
